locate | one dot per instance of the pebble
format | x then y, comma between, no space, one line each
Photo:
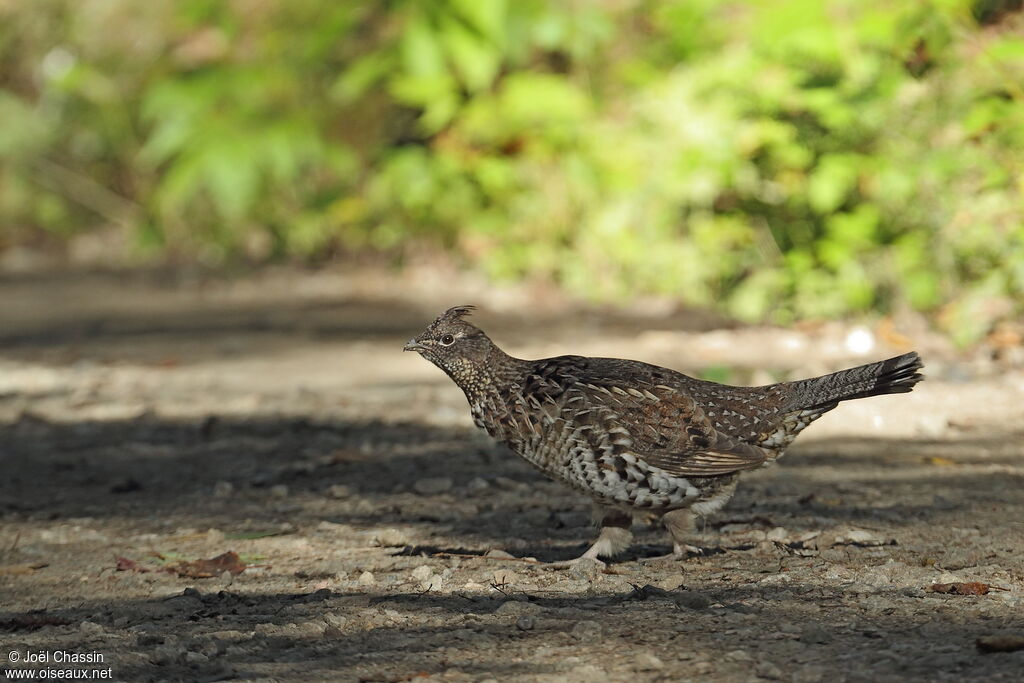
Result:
768,670
167,654
477,485
813,633
525,623
432,486
390,538
335,624
434,583
339,491
229,635
279,490
645,661
495,552
692,600
90,628
307,629
587,630
367,579
586,568
196,659
422,572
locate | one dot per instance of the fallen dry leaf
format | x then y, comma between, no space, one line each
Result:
939,461
123,564
205,569
1000,643
963,588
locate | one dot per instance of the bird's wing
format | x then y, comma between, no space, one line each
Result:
654,422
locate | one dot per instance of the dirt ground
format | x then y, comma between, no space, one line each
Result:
151,420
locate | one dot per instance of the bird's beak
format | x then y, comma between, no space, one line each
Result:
413,345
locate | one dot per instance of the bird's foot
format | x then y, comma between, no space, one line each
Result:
583,562
679,552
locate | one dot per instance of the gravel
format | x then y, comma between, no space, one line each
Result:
384,539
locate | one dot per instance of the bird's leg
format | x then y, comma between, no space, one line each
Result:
680,525
615,537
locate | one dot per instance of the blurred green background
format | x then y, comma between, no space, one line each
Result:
774,160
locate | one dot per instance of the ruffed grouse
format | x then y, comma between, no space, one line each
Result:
637,437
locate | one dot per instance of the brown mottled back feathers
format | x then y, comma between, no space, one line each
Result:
658,420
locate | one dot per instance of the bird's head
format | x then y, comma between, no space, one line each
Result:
454,345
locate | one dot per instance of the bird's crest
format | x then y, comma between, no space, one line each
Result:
457,312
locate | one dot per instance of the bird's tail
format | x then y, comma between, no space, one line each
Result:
893,376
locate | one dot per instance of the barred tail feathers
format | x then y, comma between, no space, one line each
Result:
893,376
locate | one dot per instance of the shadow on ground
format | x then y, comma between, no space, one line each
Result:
817,632
223,473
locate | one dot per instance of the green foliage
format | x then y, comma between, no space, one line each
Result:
778,160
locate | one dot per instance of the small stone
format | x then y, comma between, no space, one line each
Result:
586,568
308,629
496,552
390,538
335,622
196,659
367,579
339,491
477,485
861,536
777,534
431,486
90,628
266,629
587,630
765,669
434,583
645,661
279,491
741,656
223,489
422,572
525,623
227,636
166,654
692,600
226,579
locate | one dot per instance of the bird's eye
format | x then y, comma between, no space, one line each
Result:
447,340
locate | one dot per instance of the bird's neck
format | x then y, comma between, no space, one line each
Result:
491,387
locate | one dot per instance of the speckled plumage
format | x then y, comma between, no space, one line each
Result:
634,436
